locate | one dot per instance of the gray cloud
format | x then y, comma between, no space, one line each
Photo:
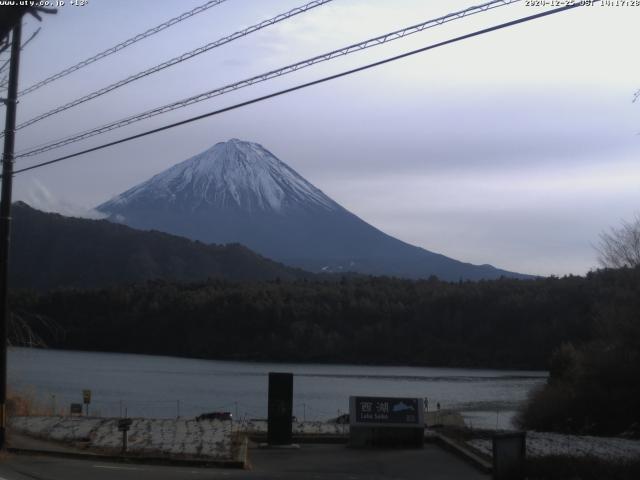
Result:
40,197
506,150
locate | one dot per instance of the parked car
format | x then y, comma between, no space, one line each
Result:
342,419
215,416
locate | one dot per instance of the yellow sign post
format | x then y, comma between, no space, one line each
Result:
86,398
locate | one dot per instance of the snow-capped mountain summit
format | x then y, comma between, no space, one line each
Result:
239,192
233,174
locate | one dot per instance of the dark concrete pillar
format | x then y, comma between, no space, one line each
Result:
280,408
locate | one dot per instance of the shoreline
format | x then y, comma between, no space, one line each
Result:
535,374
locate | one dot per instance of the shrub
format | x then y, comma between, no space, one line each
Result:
24,403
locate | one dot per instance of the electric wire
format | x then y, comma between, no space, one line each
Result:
304,85
4,82
372,42
122,45
2,67
176,60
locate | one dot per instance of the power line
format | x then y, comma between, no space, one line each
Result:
5,44
25,43
302,86
372,42
3,66
176,60
122,45
4,82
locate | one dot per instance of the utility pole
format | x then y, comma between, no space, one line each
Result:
5,218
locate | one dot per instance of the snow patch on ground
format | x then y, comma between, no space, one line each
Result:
541,444
298,428
184,438
191,438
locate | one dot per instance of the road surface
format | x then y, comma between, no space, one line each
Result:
321,462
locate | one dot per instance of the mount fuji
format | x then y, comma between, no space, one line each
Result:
238,191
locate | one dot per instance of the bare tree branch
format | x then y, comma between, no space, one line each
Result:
22,330
620,247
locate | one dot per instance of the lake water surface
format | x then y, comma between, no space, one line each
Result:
154,386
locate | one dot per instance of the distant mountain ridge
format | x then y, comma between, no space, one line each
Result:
238,191
49,250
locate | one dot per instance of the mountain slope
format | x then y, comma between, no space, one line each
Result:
49,250
238,191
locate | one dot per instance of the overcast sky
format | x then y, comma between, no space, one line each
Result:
515,148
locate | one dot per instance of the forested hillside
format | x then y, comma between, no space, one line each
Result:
50,251
594,386
501,323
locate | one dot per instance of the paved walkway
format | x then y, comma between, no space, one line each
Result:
17,440
310,461
340,462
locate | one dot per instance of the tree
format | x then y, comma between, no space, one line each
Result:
620,247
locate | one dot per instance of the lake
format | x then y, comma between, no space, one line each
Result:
163,387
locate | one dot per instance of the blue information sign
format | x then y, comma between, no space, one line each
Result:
389,411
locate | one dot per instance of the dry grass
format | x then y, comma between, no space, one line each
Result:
4,456
25,403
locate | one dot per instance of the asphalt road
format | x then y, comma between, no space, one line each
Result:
330,462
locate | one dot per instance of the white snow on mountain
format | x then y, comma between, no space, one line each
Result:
230,174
